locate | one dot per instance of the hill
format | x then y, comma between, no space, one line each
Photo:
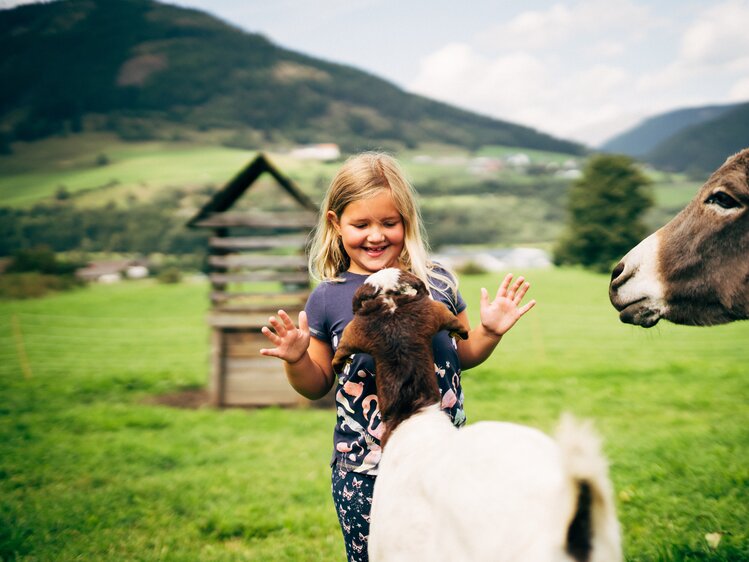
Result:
147,70
702,148
644,137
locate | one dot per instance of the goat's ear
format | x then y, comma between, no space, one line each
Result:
410,280
448,321
363,294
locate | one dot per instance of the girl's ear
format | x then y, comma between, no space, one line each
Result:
333,218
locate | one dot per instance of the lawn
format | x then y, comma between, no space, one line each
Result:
38,170
93,468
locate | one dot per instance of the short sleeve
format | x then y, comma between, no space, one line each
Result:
460,304
453,299
316,317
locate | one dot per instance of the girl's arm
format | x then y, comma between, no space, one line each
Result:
308,361
497,317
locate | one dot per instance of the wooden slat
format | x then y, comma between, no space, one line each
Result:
244,344
251,321
258,242
262,297
257,382
294,277
284,221
278,262
265,309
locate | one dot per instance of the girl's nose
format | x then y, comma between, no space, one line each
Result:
376,235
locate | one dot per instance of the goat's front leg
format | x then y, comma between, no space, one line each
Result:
446,320
351,342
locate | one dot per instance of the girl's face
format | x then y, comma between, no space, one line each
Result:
372,232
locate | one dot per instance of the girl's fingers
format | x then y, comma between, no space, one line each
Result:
512,293
521,292
502,291
275,340
527,307
287,323
271,353
277,326
303,324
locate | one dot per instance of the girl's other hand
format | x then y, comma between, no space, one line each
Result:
290,342
499,315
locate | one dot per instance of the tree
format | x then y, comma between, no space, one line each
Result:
605,209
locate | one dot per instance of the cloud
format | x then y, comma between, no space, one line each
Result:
712,62
718,37
566,23
522,88
586,70
739,91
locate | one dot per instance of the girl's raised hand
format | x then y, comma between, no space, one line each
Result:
290,342
499,315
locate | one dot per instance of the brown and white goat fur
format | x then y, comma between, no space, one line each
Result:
491,491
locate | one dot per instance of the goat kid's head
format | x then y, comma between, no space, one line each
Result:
386,290
395,319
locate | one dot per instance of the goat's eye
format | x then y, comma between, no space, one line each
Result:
722,199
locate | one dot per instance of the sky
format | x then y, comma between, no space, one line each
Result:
579,70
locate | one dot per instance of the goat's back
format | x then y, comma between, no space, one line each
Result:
491,491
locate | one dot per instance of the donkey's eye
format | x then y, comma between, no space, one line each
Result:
722,199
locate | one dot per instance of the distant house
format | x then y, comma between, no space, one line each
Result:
323,152
113,271
484,165
520,160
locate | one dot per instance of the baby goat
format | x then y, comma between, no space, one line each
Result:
491,491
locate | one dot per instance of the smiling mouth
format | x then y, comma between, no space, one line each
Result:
376,251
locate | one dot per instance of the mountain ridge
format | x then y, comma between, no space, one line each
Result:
140,67
638,140
695,140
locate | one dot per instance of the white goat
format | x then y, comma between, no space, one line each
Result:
492,491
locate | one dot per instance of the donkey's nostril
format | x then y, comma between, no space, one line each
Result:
617,270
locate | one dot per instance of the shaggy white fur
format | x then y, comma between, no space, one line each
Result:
492,491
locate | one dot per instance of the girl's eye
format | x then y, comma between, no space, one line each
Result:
722,199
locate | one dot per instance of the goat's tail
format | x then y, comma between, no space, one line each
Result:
593,534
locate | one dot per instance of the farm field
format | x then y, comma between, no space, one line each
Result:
99,168
94,467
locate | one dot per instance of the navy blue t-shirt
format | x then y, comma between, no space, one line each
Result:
359,426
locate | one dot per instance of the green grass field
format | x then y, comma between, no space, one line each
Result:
92,468
36,171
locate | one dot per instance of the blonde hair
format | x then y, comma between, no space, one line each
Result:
361,177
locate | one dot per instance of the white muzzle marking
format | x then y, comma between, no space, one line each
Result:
642,280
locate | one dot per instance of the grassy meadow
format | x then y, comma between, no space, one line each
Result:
93,467
97,168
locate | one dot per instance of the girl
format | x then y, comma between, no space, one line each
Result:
369,221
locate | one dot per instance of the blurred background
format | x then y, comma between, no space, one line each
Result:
543,138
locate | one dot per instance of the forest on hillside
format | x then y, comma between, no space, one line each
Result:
148,70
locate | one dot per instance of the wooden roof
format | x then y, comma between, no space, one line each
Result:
224,199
